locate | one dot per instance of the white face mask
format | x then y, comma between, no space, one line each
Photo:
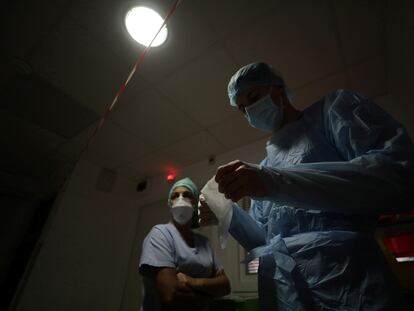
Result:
182,210
265,115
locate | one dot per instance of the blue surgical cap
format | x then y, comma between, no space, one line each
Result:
254,74
185,182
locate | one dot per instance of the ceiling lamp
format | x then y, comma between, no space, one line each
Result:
143,23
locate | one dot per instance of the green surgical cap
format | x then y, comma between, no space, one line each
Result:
254,74
185,182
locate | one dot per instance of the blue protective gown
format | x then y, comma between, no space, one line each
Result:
328,175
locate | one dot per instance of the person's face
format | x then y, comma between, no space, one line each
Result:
185,193
255,93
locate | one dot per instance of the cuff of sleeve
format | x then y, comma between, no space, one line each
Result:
156,263
273,180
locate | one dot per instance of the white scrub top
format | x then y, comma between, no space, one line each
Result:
165,247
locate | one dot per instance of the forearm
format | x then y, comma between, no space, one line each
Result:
176,293
217,286
245,229
336,186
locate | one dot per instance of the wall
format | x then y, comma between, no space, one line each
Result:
19,209
400,44
16,200
84,255
16,214
149,216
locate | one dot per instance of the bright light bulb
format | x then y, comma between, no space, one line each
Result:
143,23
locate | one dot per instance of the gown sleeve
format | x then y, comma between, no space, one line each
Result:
376,175
247,228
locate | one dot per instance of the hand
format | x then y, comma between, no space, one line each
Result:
182,278
205,216
238,179
186,280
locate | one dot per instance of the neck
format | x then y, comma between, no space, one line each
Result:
185,229
291,114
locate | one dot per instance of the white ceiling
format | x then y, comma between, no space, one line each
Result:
175,110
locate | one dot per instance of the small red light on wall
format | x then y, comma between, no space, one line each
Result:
170,178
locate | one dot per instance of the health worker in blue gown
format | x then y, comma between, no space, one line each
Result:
330,170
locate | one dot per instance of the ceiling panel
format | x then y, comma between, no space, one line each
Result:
73,147
151,116
46,165
393,106
361,27
235,132
232,17
33,99
23,17
200,88
369,77
156,163
303,46
195,148
311,93
90,72
23,143
106,22
189,36
113,146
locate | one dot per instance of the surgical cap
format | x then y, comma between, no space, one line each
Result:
254,74
185,182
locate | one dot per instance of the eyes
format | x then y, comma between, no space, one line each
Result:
250,98
253,96
186,194
256,93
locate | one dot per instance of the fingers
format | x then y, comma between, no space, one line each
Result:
203,208
239,194
226,169
233,185
205,215
237,191
208,222
183,281
207,219
227,180
244,181
181,277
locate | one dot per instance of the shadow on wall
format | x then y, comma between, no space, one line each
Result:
20,248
